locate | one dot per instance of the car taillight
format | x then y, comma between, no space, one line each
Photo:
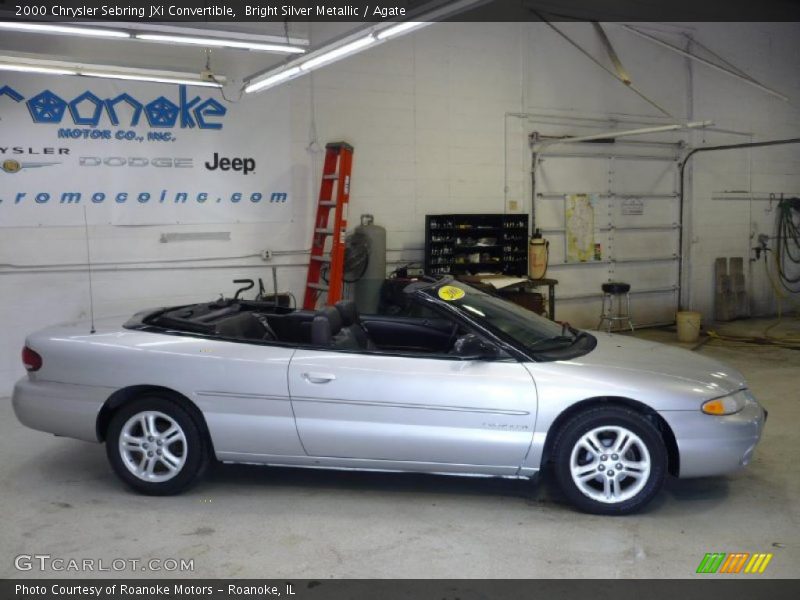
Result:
31,360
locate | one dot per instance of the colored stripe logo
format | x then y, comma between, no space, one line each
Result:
734,563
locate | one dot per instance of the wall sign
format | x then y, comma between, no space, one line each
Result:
137,153
633,206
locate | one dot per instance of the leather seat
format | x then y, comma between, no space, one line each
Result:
616,287
323,325
293,327
327,331
352,323
245,326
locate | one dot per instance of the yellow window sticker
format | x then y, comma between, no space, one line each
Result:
450,292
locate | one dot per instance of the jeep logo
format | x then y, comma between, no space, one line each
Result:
245,165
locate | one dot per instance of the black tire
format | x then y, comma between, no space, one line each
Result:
575,428
195,452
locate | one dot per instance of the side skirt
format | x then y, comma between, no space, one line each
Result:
379,466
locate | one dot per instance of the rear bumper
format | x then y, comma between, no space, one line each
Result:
715,445
59,408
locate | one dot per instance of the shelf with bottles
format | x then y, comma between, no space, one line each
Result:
477,247
486,242
521,238
518,222
442,260
476,258
440,222
478,229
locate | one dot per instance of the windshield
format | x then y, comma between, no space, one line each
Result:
523,326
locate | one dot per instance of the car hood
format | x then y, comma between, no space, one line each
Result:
626,357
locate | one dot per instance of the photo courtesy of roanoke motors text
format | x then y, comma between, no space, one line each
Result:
430,299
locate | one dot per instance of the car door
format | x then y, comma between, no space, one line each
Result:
413,410
243,393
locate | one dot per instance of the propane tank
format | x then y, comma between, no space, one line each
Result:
368,288
538,254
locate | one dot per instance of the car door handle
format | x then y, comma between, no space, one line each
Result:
319,377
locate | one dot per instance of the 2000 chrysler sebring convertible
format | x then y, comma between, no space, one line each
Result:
461,383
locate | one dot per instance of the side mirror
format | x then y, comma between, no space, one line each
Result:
473,347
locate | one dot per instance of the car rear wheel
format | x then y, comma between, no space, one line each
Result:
156,447
610,461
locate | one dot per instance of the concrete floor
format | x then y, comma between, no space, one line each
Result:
60,498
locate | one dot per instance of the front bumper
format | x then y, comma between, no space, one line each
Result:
715,445
60,408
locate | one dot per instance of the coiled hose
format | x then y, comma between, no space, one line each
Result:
787,244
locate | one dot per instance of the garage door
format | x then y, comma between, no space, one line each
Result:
611,213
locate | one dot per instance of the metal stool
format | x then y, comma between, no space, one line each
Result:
613,292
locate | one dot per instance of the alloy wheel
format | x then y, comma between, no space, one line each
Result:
153,446
610,464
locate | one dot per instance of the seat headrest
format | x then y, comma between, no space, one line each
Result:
347,310
321,331
333,317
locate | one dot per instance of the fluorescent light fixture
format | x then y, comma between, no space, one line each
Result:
185,29
400,28
63,29
47,67
339,49
272,80
339,52
218,43
36,69
151,78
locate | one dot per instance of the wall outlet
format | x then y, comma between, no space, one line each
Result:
266,255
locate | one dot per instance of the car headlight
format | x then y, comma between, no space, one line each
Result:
728,405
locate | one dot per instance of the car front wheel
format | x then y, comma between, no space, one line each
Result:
610,460
155,446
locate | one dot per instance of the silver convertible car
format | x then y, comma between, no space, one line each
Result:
459,382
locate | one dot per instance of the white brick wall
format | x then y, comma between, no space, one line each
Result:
426,114
722,228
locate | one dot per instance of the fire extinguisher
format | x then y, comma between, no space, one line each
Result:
538,255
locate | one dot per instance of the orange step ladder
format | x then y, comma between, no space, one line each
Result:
334,193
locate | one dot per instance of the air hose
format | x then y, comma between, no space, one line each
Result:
787,244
